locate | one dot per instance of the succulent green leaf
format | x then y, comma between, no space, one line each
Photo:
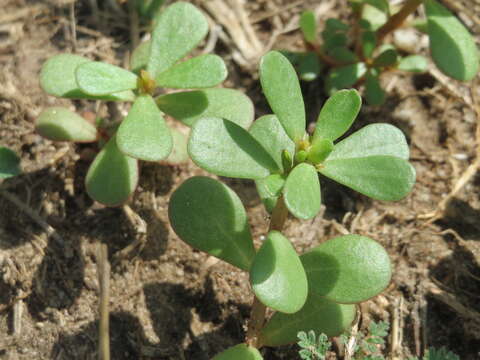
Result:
374,15
333,25
453,48
282,90
199,72
189,106
320,150
308,25
374,93
97,78
179,152
269,189
140,56
413,63
178,30
268,131
239,352
347,269
309,66
302,191
318,314
337,115
224,148
380,177
209,216
369,42
334,39
388,57
344,77
143,134
9,163
112,176
57,78
60,124
343,55
277,276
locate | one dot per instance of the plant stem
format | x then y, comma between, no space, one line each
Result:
397,20
257,315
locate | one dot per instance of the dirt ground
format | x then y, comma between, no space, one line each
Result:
164,304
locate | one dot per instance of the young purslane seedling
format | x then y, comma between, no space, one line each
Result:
357,53
316,291
9,163
143,133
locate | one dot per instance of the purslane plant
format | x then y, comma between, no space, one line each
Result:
357,53
143,134
9,163
316,291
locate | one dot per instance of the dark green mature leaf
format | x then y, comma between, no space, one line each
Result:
381,177
268,131
347,269
309,66
199,72
282,90
143,134
57,78
453,48
112,176
178,30
413,63
97,78
140,56
308,25
344,77
337,115
369,42
343,54
239,352
374,93
388,57
302,191
277,276
179,152
148,8
209,216
9,163
60,124
318,314
224,148
189,106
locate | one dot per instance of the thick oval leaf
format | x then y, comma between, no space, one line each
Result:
373,139
347,269
302,191
369,42
282,90
57,78
224,148
343,55
97,78
179,152
199,72
375,16
239,352
309,66
209,216
268,131
318,314
344,77
337,115
189,106
413,63
384,178
140,56
320,150
112,176
269,189
177,31
143,134
374,93
453,48
60,124
386,58
277,276
308,25
9,163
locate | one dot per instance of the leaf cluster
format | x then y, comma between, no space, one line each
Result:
311,347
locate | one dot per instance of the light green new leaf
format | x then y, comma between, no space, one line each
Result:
308,25
344,77
453,48
375,16
97,78
381,177
189,106
374,93
347,269
282,90
224,148
140,56
318,314
239,352
277,276
337,115
57,78
387,58
268,131
209,216
373,139
269,189
112,176
381,5
179,153
199,72
143,134
9,163
302,191
60,124
413,63
178,30
319,151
